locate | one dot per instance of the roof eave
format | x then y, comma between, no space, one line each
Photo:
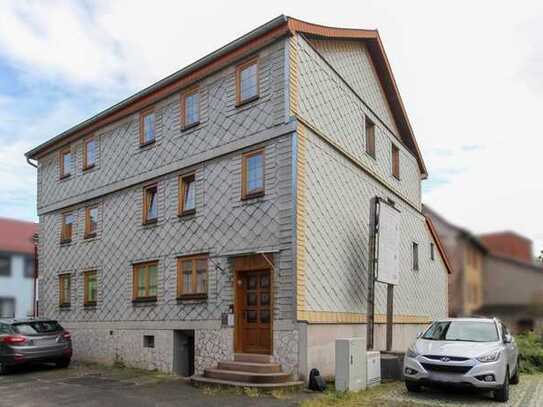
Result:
270,25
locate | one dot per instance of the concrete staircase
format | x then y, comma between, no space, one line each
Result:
247,370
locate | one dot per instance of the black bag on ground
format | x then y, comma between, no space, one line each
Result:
316,382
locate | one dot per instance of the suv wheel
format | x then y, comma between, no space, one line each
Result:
63,363
412,386
502,394
516,377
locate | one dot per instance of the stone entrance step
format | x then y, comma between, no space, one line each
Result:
248,370
250,367
201,381
248,377
253,358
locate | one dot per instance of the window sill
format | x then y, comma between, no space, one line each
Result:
247,101
190,126
89,236
372,156
396,177
90,305
64,307
144,300
65,242
150,222
186,297
64,177
88,167
147,143
187,213
253,195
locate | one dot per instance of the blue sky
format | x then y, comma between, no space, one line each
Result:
470,73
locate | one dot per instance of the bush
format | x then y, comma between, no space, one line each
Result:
531,352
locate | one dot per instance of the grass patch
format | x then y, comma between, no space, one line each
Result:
369,397
531,352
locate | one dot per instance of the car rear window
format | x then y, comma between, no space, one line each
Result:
37,327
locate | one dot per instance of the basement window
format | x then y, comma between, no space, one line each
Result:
148,341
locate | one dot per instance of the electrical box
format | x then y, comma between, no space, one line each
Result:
374,368
351,364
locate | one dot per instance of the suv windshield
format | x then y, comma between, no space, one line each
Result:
472,331
37,327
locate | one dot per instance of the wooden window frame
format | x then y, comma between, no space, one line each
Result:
192,295
146,220
395,154
370,137
143,114
62,170
86,301
86,142
144,266
245,194
63,238
239,68
415,255
189,92
88,233
64,302
181,211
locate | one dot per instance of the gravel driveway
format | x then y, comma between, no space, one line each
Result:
89,385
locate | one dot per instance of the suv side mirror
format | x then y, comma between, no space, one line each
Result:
507,338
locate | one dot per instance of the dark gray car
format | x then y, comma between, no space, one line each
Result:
33,341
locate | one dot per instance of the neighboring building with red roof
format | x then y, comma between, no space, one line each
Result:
494,274
16,267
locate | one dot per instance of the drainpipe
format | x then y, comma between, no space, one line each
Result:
35,310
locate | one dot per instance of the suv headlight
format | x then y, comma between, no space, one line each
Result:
489,357
411,353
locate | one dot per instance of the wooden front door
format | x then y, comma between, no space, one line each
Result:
254,312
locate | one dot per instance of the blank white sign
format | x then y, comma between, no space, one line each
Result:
388,244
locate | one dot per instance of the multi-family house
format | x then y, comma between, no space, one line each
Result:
225,210
466,255
17,279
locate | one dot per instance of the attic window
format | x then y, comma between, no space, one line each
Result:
415,256
395,162
370,138
247,82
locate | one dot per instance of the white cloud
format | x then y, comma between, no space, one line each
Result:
469,73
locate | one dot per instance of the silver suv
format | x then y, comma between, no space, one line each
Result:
474,352
28,340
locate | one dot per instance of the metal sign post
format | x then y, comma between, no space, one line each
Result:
372,262
384,264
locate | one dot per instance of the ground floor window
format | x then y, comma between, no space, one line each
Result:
145,281
192,277
64,286
7,307
90,288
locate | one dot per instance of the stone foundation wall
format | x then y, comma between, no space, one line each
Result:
285,349
110,343
212,346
